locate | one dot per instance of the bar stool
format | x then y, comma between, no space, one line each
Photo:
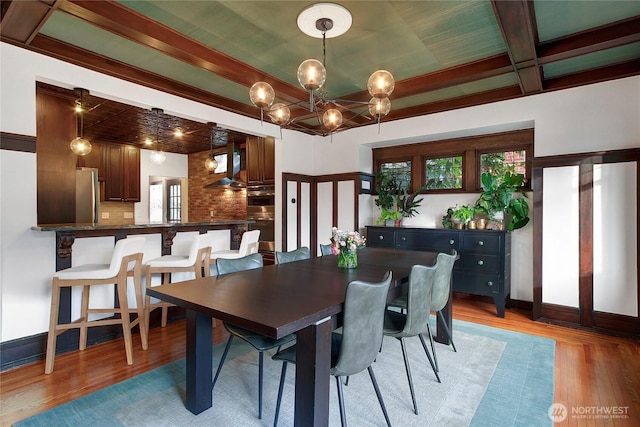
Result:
126,260
197,260
248,245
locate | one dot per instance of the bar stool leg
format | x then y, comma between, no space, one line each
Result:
84,317
142,324
124,313
53,322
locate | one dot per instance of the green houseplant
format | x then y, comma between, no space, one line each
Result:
503,195
394,199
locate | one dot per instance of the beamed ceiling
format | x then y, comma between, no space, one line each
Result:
443,54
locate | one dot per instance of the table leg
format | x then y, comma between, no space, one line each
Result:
199,362
441,335
313,363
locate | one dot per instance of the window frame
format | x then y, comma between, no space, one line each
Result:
470,148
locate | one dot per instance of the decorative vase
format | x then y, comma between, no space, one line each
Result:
348,259
397,223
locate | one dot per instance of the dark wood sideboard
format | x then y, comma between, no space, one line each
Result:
484,267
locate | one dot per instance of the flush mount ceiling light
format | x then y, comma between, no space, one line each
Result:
211,164
325,20
157,156
79,145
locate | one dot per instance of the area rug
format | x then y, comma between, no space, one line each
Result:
496,378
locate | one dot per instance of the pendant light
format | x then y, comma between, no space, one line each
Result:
158,157
79,145
211,164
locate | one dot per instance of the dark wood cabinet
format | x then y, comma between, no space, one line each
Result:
260,161
484,267
121,170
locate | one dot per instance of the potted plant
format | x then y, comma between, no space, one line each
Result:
394,200
459,216
503,195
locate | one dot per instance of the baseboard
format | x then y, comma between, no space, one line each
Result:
23,351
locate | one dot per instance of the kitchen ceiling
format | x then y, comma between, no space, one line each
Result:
443,54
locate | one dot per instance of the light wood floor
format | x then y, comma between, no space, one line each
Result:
593,372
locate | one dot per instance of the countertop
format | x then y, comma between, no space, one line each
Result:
91,227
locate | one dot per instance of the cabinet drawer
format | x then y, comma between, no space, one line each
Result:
432,241
481,242
481,263
476,284
380,238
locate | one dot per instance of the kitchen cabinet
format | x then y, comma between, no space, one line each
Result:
484,267
260,161
120,165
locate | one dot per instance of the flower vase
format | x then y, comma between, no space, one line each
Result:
348,259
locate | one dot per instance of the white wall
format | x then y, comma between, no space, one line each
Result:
591,118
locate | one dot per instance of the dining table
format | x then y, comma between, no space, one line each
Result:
304,298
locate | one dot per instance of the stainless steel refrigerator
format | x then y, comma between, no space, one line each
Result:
87,195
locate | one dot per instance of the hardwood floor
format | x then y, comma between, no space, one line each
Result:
593,372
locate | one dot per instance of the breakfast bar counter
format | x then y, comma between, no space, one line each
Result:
67,233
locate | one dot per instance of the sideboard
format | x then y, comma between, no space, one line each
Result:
484,267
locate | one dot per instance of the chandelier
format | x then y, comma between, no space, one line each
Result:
211,164
80,145
319,20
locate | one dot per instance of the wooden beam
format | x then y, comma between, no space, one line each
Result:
517,25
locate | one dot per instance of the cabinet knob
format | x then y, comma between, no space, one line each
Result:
489,283
381,237
480,243
480,262
403,238
451,242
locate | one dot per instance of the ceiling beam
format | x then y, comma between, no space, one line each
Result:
597,75
605,37
124,22
69,53
21,20
516,20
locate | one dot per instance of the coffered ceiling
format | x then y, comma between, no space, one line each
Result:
443,54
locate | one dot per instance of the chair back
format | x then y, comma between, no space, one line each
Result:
326,249
200,242
291,256
123,248
420,286
249,262
442,280
249,243
364,307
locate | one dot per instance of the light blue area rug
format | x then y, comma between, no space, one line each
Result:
497,378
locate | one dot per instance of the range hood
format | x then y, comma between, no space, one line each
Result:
231,181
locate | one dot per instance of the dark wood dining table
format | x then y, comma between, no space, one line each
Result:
304,297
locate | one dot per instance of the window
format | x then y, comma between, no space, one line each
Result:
175,203
499,163
402,169
444,173
455,165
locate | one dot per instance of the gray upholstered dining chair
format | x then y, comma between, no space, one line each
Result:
355,349
326,249
439,296
415,321
260,342
295,255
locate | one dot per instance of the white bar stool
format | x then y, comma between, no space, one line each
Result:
196,261
126,260
248,245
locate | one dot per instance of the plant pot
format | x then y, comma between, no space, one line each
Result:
397,223
471,225
481,223
389,223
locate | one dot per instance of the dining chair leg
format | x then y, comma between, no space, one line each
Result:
343,415
433,347
446,329
224,356
426,350
377,389
406,365
280,390
260,374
